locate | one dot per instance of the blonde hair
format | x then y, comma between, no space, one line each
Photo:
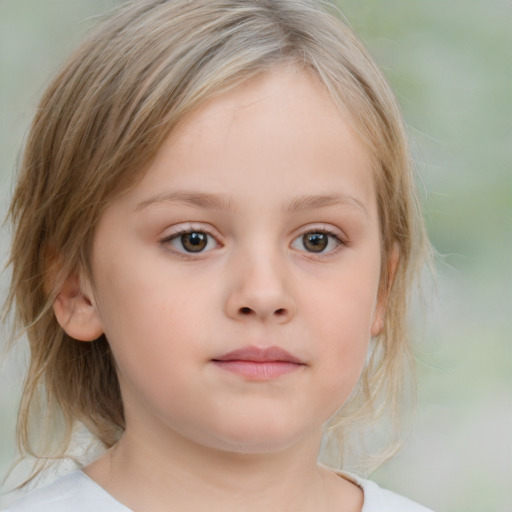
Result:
100,123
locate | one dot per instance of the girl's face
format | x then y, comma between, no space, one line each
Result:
237,283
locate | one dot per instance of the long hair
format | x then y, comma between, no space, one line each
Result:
99,125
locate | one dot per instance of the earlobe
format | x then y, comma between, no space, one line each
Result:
382,300
76,312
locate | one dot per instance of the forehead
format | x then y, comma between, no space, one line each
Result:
278,134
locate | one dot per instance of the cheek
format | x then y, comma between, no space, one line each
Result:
344,347
344,312
342,319
154,349
144,316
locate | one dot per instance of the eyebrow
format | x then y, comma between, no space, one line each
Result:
312,202
198,199
223,202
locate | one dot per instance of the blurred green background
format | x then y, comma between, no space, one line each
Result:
450,63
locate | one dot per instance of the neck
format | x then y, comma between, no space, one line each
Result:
144,474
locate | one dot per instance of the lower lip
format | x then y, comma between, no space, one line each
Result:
256,370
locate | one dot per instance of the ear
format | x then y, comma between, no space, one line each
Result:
385,289
76,311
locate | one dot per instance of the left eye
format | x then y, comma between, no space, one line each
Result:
316,242
192,241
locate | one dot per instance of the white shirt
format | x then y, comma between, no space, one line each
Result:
76,492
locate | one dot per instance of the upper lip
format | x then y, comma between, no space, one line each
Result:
259,355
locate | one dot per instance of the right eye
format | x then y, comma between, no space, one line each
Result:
191,241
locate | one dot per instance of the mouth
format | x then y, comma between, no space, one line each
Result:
259,364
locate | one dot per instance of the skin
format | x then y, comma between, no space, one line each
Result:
280,162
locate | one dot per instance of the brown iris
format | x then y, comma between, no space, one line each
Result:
315,242
195,241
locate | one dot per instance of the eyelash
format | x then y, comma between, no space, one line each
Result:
333,235
167,241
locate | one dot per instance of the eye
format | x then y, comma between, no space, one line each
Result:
191,241
317,242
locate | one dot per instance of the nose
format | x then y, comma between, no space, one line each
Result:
260,291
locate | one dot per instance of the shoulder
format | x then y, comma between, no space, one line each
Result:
377,499
75,491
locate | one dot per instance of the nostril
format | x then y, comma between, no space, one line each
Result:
247,311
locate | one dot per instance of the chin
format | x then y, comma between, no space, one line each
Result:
258,438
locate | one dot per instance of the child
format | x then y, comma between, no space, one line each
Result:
216,231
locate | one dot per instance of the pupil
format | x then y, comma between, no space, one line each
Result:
194,242
315,242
